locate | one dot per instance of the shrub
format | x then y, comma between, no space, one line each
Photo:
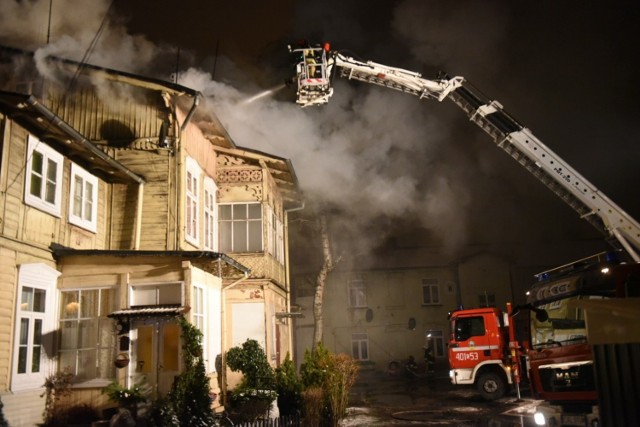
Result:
288,387
334,375
189,394
342,376
251,360
127,398
315,368
252,398
313,406
56,386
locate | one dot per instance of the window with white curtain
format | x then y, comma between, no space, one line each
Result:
83,199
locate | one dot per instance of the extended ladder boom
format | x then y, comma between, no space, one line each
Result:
506,132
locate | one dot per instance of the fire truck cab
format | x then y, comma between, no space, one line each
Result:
477,351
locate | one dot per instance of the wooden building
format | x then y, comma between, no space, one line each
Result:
124,203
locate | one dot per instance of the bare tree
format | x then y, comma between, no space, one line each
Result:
328,265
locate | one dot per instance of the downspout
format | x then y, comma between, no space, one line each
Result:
196,102
138,230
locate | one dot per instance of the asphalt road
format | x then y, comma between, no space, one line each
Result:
378,399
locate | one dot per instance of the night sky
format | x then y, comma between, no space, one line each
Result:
565,69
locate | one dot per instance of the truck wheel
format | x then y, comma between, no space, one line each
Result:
491,386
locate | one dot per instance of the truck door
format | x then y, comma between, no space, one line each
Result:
471,342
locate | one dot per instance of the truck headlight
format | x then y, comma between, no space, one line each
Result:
538,418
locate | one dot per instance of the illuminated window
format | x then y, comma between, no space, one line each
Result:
210,217
83,200
192,201
240,227
87,342
43,186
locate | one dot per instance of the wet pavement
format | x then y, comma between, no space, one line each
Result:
378,399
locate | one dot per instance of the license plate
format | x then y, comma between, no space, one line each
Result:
574,420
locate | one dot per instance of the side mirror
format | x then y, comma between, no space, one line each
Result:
541,315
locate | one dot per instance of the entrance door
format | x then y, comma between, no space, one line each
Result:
155,353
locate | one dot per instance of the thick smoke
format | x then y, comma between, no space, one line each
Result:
372,155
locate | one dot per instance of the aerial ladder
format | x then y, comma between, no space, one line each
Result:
317,65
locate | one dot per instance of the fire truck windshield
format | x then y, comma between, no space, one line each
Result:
565,325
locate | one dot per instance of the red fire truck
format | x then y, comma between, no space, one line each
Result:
555,354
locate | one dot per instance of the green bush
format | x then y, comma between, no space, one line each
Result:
191,389
288,387
188,403
252,398
334,375
251,360
315,368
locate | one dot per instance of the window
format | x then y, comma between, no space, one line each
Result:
83,200
198,309
275,231
87,342
43,186
34,325
357,293
486,300
360,346
430,291
240,227
160,294
435,341
210,219
191,201
467,327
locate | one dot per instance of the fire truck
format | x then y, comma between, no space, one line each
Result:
483,348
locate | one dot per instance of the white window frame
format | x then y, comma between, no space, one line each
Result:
88,218
41,277
198,309
357,292
360,346
166,293
101,344
248,222
432,287
192,201
275,235
38,201
210,215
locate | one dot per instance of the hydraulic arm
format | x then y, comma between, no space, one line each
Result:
316,66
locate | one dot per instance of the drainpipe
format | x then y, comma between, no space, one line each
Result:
223,356
138,230
196,102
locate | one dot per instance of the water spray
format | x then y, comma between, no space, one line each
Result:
264,93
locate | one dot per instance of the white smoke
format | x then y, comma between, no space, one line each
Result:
370,153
